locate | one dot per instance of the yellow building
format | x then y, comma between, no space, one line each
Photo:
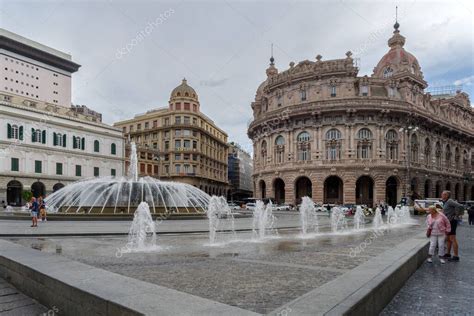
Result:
179,143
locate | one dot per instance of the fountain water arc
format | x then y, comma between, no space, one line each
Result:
122,195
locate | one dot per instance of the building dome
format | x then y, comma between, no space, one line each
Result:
397,60
183,91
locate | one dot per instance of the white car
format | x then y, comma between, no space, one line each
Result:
250,206
233,206
282,207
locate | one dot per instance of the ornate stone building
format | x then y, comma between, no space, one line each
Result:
321,130
180,143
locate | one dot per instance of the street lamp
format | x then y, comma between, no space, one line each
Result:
409,130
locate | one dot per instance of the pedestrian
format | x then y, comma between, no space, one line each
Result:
438,227
34,212
470,212
453,210
42,209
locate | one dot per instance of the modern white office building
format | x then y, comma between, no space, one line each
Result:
45,143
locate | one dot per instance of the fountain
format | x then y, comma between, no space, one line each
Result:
263,220
308,216
122,195
359,218
378,221
403,215
391,216
220,217
338,220
142,235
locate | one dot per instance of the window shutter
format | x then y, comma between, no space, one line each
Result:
43,133
21,132
55,139
33,135
64,140
74,142
83,143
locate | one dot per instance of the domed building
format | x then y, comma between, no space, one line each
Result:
180,143
320,130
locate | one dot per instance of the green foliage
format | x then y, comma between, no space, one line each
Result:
27,195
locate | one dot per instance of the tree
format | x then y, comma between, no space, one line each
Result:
27,195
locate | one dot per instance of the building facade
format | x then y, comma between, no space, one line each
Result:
321,130
180,143
240,173
44,143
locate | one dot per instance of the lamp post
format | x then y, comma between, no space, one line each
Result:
408,130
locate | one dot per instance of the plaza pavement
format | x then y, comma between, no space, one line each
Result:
14,303
436,289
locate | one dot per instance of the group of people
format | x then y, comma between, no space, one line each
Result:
38,209
442,223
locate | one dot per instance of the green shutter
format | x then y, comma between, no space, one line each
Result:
112,172
83,143
96,146
43,133
113,149
59,168
38,166
15,164
9,130
33,135
55,139
74,142
21,132
64,140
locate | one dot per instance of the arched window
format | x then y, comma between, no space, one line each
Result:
448,156
427,152
391,139
333,134
304,146
113,149
303,137
388,72
96,146
280,149
364,143
414,147
333,144
280,141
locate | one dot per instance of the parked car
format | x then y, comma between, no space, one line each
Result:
233,206
250,206
283,207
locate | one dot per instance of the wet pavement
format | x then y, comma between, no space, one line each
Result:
436,289
240,271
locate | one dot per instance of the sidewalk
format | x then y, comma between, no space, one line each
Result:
14,303
436,289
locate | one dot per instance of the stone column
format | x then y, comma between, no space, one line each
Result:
318,188
349,189
380,189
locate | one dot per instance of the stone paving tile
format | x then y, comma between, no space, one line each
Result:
14,303
436,289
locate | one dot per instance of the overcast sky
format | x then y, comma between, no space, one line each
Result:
133,53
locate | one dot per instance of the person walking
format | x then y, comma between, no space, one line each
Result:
34,207
452,210
42,209
470,212
438,227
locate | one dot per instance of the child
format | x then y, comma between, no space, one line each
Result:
42,209
438,228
